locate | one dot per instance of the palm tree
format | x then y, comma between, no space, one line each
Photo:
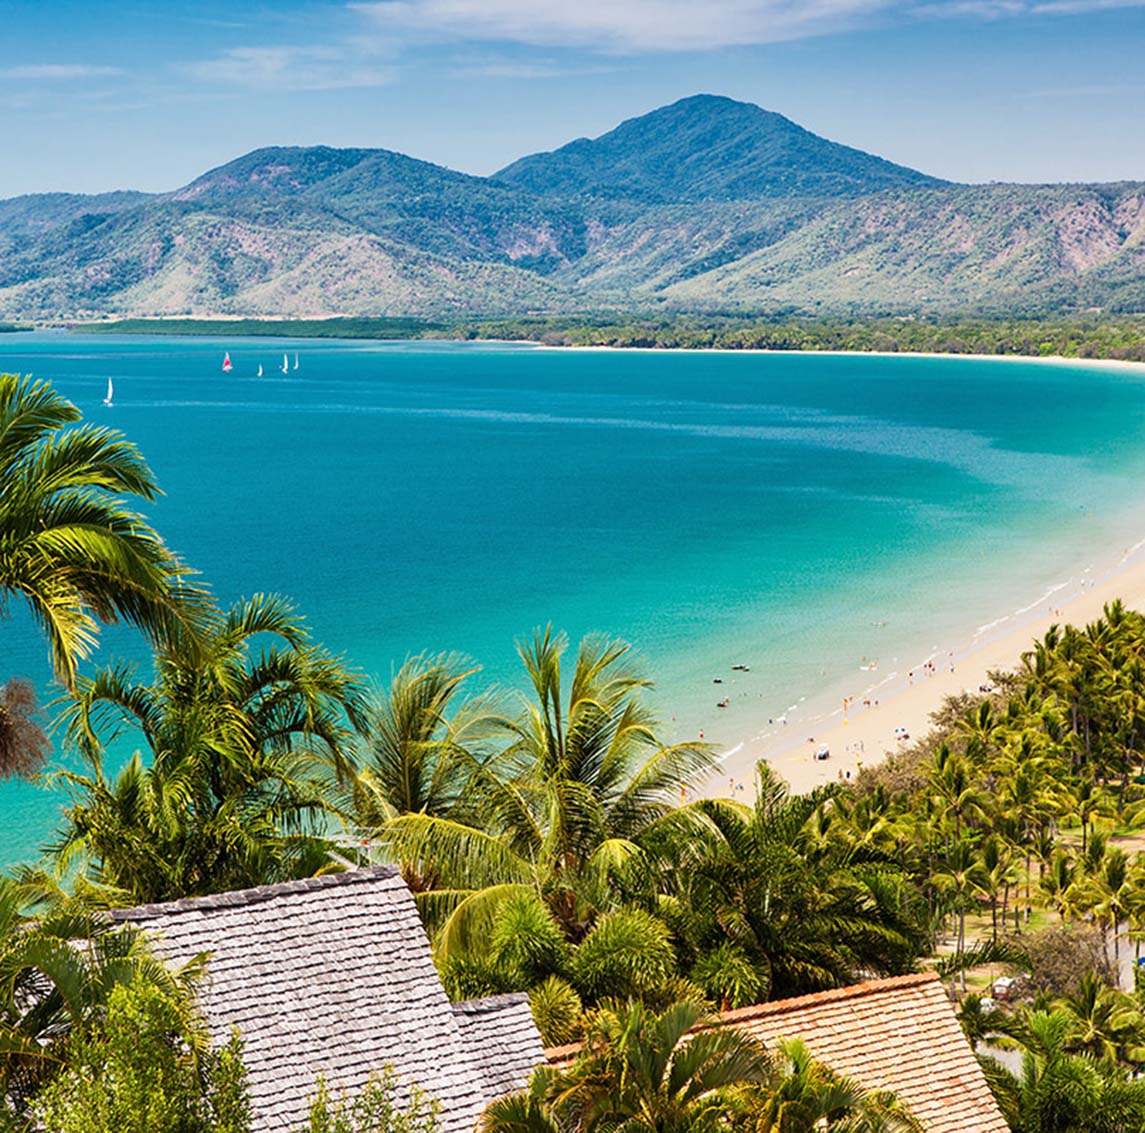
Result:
243,747
69,544
563,811
770,887
419,746
57,975
638,1070
804,1095
1060,1092
960,879
1107,1023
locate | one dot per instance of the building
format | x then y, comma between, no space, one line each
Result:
896,1034
332,976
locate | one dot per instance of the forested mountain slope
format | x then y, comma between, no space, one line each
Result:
707,204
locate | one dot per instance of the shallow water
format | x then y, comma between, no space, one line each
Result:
793,513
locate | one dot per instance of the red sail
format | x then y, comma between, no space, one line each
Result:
226,363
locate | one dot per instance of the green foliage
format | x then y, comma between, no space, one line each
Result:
244,746
70,545
674,1072
1062,1092
58,973
381,1106
138,1071
628,953
556,1010
384,328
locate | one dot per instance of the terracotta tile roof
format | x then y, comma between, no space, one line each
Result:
333,975
896,1034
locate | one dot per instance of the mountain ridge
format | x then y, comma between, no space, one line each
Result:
708,148
704,204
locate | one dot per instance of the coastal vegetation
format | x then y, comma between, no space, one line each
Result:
1116,338
555,844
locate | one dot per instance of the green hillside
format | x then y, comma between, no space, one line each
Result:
708,148
707,205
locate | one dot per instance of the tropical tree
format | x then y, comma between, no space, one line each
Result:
565,811
24,745
803,1095
1061,1092
768,902
243,748
670,1072
70,545
419,746
58,973
137,1070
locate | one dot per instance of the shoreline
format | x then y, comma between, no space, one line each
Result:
1053,359
902,697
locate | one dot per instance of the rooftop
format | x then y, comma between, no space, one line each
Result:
333,976
896,1034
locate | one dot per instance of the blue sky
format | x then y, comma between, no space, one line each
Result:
100,95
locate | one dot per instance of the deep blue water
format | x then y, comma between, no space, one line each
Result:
711,508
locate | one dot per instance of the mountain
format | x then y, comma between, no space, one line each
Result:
707,204
708,148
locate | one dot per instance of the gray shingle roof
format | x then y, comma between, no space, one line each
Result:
333,976
502,1030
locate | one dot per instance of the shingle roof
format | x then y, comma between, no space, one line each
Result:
896,1034
501,1027
333,976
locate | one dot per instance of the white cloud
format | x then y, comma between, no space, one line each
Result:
632,26
53,71
620,25
289,67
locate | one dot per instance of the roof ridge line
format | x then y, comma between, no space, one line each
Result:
831,995
237,898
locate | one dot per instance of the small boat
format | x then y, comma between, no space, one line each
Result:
285,364
296,361
227,367
260,369
110,394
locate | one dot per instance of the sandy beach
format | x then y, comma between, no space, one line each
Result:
867,729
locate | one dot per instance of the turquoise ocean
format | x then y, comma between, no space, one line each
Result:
794,513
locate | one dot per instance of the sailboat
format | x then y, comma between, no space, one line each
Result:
296,361
110,394
227,367
285,364
260,369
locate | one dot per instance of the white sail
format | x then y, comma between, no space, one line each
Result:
260,369
110,392
285,364
296,361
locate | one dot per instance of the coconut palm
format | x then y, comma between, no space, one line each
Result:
567,807
765,888
420,744
804,1095
642,1071
242,746
70,545
1060,1092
